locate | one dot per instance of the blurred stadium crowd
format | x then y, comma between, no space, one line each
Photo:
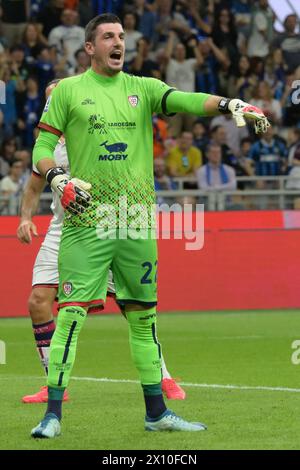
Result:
225,47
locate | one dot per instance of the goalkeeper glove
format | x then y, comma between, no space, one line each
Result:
72,192
241,111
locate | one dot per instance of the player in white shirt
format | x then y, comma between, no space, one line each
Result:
45,272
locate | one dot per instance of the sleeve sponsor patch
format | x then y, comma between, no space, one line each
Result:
47,104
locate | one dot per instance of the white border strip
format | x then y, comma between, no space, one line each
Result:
188,384
184,384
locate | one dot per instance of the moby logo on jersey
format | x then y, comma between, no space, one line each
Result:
116,147
115,151
110,157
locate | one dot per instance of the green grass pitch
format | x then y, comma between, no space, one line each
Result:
251,349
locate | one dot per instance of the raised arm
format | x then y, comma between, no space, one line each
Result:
197,53
218,53
170,45
197,18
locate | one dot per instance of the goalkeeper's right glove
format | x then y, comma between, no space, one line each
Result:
72,192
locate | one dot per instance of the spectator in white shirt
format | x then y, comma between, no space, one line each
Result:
180,74
263,98
180,71
131,39
10,187
234,134
24,156
261,30
7,152
83,62
67,37
215,176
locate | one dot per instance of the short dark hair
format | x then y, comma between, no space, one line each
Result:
213,144
144,38
200,121
132,13
79,52
215,128
32,77
90,29
17,47
289,16
14,161
246,140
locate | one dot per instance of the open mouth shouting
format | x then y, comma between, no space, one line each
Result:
116,57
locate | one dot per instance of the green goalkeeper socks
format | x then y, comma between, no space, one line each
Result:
145,349
63,345
146,355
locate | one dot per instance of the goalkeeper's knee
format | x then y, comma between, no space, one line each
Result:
145,348
63,345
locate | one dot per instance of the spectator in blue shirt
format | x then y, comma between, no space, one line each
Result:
30,112
269,155
213,59
44,68
9,110
161,180
200,136
32,43
146,19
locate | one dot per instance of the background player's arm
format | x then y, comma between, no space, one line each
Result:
29,205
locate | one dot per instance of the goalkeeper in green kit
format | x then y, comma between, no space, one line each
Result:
105,116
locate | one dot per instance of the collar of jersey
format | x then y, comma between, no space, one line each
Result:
102,79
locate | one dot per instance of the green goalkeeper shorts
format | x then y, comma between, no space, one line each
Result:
85,259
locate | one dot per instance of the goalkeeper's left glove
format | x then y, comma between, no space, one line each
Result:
241,111
73,193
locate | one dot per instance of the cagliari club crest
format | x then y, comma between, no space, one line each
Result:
133,100
67,288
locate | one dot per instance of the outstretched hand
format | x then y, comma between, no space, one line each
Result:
242,111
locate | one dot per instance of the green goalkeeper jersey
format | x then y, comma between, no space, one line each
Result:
107,123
